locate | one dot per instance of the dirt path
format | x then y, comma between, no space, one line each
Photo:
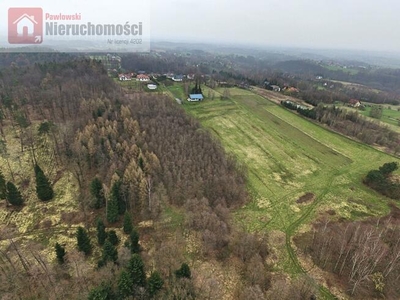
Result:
277,97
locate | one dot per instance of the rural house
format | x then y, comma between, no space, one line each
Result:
142,78
275,88
124,77
177,78
195,97
354,103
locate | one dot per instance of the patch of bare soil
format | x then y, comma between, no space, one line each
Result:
72,218
8,232
278,97
306,198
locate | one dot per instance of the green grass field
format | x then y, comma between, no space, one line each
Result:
136,86
351,71
177,91
389,116
286,157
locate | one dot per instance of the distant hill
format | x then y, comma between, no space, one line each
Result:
22,59
300,67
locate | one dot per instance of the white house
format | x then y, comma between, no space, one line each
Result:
125,77
27,23
151,86
143,78
275,88
195,97
177,78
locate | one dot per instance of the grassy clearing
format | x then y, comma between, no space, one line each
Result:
130,85
37,222
177,91
350,71
390,115
287,156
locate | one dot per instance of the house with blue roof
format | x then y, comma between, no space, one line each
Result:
177,78
195,97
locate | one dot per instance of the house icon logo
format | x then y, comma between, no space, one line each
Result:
25,25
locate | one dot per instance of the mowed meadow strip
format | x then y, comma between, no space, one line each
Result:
286,156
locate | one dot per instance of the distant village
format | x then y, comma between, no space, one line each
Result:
152,81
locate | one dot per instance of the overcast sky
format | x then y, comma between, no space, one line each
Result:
337,24
324,24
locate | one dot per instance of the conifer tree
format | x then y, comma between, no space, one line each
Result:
101,232
134,237
155,283
112,211
125,285
183,271
60,253
102,292
14,196
136,270
109,252
83,241
44,190
112,237
3,187
116,195
96,190
128,227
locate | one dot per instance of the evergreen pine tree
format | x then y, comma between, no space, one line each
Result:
101,232
83,241
102,292
14,196
155,283
109,252
45,127
134,237
44,190
116,195
183,271
125,285
112,210
3,187
128,227
136,270
96,190
141,162
60,253
112,237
